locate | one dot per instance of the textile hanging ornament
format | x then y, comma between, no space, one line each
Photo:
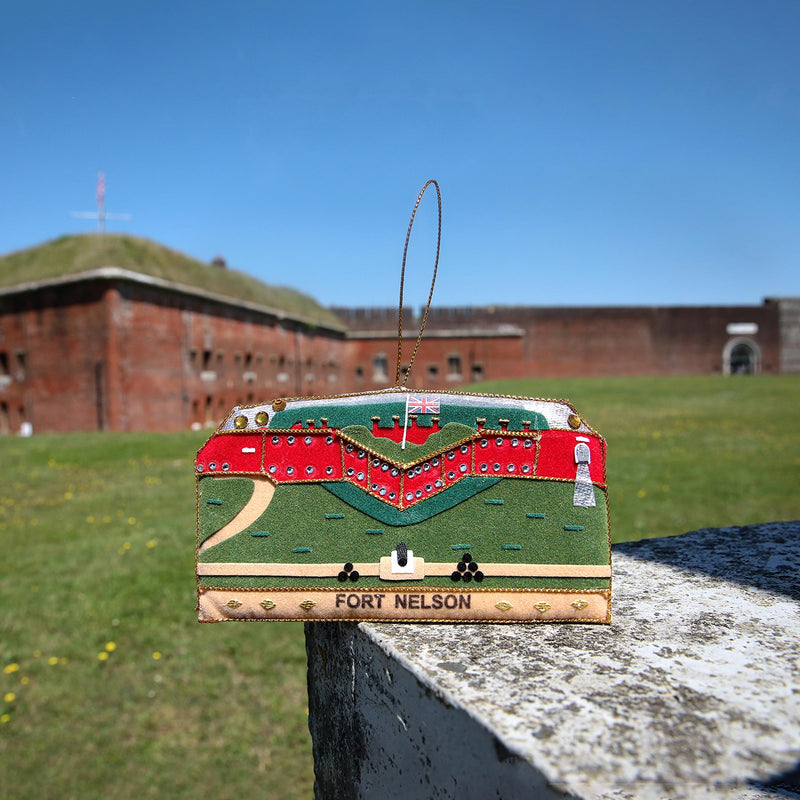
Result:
400,504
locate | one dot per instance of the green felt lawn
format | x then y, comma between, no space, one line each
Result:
327,530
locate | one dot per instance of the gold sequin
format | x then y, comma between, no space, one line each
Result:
279,404
307,605
574,421
233,603
542,607
503,605
262,418
579,604
240,421
267,605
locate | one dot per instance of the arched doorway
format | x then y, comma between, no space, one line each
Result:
741,357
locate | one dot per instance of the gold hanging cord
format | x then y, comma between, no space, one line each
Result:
397,381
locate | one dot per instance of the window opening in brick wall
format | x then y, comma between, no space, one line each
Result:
3,363
477,372
5,425
454,366
380,367
99,394
208,417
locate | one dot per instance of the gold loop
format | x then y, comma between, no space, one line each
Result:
397,382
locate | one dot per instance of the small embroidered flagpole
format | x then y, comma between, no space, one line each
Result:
405,424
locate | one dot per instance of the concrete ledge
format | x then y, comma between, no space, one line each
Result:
693,691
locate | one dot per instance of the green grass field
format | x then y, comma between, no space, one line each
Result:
112,689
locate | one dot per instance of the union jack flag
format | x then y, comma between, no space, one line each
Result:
424,404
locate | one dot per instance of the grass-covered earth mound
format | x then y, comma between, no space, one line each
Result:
70,255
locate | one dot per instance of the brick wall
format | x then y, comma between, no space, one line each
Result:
518,342
55,342
118,355
125,355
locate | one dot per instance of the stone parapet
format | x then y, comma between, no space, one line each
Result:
692,692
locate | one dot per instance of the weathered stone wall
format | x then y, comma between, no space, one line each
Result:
691,692
789,312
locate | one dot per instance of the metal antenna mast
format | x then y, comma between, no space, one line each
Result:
100,215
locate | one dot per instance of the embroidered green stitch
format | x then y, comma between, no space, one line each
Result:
460,546
536,515
511,547
493,502
301,549
573,527
259,533
334,516
375,531
214,502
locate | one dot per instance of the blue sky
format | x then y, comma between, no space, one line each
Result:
589,153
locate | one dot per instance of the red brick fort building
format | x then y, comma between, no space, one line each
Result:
108,332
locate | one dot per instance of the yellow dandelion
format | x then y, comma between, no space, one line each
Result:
9,697
106,519
151,544
102,656
126,546
9,668
156,655
37,653
131,520
90,520
25,680
52,661
641,493
68,495
111,646
5,718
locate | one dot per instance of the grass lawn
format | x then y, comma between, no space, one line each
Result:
111,689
